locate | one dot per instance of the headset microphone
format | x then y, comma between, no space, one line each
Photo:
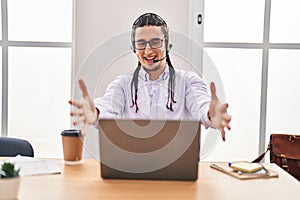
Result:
155,61
170,47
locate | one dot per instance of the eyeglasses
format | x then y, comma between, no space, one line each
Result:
154,43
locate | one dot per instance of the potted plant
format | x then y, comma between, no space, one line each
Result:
9,181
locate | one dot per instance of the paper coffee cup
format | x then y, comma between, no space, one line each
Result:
72,146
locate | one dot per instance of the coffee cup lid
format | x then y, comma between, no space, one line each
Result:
71,132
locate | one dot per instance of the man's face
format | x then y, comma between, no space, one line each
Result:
154,36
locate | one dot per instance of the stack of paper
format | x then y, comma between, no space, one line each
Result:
246,166
34,166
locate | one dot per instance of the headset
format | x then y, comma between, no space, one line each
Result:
168,46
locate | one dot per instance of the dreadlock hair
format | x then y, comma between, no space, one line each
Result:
152,20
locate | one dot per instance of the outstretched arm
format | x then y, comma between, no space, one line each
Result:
85,109
218,112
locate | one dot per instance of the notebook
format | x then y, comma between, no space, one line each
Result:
263,173
149,149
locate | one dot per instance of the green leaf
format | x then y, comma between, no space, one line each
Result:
8,170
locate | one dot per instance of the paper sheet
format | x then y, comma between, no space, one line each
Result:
34,166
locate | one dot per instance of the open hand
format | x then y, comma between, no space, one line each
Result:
218,112
85,109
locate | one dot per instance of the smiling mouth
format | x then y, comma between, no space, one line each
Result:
150,60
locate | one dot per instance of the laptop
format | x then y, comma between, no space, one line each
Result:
149,149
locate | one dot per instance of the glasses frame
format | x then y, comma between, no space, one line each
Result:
149,42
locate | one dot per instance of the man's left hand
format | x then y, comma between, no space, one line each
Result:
218,112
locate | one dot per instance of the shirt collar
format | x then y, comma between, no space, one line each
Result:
163,76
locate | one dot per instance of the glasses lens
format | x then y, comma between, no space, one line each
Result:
141,44
155,43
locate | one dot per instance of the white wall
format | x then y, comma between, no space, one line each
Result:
99,20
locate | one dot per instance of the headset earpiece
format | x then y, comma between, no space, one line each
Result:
132,41
132,48
170,47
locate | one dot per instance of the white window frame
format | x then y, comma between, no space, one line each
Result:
5,43
196,33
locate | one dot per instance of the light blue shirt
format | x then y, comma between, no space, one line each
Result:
191,96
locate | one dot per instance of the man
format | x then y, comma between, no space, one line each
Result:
155,90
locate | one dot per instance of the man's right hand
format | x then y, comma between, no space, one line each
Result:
85,110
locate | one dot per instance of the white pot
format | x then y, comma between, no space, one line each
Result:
9,188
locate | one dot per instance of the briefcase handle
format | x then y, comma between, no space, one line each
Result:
259,158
